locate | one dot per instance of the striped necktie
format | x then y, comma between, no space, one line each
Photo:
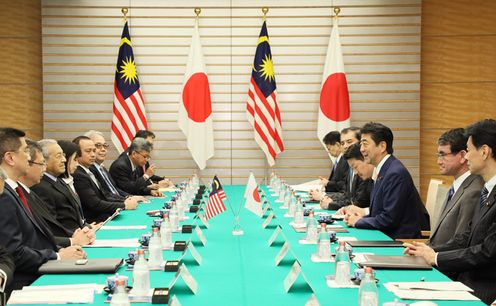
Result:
483,197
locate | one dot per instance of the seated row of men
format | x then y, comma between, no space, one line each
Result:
375,191
58,193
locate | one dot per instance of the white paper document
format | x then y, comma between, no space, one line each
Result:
123,227
53,295
307,186
116,243
454,291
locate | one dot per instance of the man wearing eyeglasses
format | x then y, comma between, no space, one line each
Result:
61,202
7,266
127,170
463,196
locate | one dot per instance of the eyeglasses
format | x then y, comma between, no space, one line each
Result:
147,158
102,145
443,155
43,164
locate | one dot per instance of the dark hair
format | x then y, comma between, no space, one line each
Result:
483,133
144,134
456,138
140,144
353,152
354,129
77,140
379,132
69,148
9,140
33,147
331,138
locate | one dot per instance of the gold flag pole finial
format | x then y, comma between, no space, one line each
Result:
124,11
265,10
337,10
197,11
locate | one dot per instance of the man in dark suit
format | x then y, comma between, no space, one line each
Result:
60,201
472,254
361,186
127,170
63,237
97,204
339,172
463,196
150,169
7,266
395,207
29,242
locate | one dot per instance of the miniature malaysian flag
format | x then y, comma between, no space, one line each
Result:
216,199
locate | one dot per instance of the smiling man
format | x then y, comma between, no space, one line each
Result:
463,196
395,207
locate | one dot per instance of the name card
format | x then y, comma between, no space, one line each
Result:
312,301
274,235
194,253
267,221
187,278
174,301
284,250
293,274
200,235
203,220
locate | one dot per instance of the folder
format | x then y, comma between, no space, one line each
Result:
395,262
92,266
375,243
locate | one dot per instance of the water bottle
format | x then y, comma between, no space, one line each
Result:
166,233
342,268
180,206
271,182
119,297
155,250
287,197
282,192
292,205
298,215
173,217
324,246
368,294
141,275
312,228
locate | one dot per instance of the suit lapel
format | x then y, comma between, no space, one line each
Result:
490,203
378,181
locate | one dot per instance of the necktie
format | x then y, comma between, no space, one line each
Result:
19,191
112,188
93,178
483,197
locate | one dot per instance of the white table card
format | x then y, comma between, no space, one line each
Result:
284,250
267,221
187,277
274,235
200,235
292,276
203,220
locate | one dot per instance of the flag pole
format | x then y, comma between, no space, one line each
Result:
124,11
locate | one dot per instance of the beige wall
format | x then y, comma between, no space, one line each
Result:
458,79
21,78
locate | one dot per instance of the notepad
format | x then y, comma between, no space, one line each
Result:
376,243
59,294
395,262
454,291
116,243
123,227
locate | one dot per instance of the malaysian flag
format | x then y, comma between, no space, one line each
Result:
129,105
216,199
262,109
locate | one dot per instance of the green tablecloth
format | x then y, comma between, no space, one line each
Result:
240,270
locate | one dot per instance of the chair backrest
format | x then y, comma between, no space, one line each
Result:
431,204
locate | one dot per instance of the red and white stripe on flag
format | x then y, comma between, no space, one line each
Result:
264,115
334,110
215,204
129,117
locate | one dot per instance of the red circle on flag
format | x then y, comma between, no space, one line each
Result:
256,196
196,97
334,98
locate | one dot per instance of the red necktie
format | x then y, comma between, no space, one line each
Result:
23,198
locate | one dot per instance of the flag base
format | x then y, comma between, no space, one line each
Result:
238,232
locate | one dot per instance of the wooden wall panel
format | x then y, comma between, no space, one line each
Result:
381,46
21,77
458,78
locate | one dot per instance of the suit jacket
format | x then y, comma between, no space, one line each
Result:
30,244
60,202
40,210
472,253
359,194
128,180
103,182
97,205
338,177
457,214
153,178
6,265
395,208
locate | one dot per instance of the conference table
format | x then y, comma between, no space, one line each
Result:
241,270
